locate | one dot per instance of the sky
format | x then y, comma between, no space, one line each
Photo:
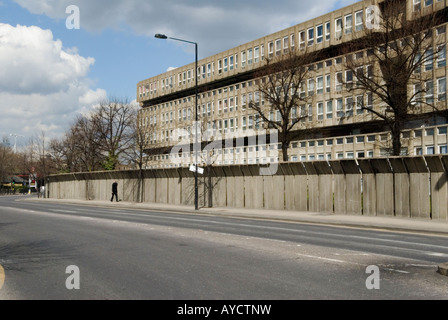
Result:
59,58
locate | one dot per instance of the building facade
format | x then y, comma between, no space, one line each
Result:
342,129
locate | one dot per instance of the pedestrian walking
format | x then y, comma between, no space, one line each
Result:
114,191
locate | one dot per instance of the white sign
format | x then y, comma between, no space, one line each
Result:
193,169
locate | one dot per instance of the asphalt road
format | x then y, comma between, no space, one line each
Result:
143,255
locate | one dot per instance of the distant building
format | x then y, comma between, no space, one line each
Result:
227,84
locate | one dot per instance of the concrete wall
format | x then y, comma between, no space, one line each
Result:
411,187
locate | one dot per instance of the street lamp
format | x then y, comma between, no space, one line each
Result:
196,194
15,140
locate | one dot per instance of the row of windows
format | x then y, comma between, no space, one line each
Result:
256,54
243,156
317,34
309,150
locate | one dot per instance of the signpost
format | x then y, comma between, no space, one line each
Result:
193,169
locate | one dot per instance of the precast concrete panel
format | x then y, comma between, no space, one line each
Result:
313,187
353,187
253,192
325,181
274,195
419,183
340,187
439,188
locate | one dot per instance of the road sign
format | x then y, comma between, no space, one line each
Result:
193,169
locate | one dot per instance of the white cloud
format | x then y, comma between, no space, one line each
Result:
42,86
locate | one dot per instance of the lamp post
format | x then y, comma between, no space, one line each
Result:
195,148
15,140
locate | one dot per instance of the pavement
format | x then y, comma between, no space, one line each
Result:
387,223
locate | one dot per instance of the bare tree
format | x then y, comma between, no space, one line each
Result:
398,50
281,85
138,152
113,121
7,159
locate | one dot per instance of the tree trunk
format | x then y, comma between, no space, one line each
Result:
396,139
210,187
285,147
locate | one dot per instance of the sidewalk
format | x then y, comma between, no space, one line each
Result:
385,223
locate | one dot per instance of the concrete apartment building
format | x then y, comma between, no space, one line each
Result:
342,129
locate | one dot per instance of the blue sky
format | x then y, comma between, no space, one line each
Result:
50,74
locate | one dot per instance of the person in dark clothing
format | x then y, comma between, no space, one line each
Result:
114,191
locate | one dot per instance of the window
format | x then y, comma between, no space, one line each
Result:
417,5
358,21
330,109
359,104
430,150
349,78
271,49
243,59
360,139
441,56
226,62
369,100
442,130
310,36
338,29
441,89
310,87
348,24
278,47
338,81
319,33
339,108
285,44
320,111
429,92
428,3
256,54
320,85
349,106
443,149
327,30
302,39
328,83
250,56
231,62
293,41
429,54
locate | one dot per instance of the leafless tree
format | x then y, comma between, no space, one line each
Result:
281,85
390,64
113,121
7,159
